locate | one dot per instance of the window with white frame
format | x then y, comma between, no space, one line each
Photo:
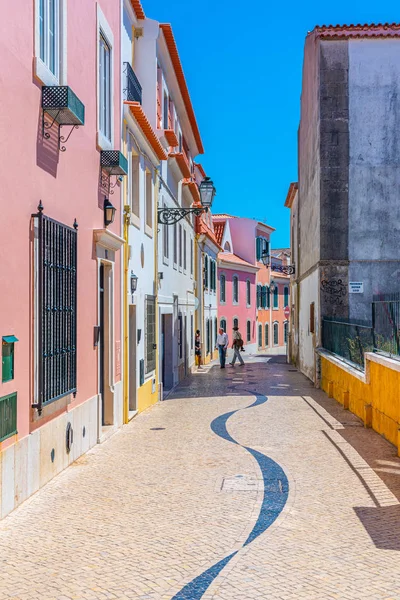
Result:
266,340
222,291
50,34
285,332
235,289
175,243
248,292
184,250
248,331
166,238
191,256
149,199
165,111
180,245
104,87
134,177
276,334
276,297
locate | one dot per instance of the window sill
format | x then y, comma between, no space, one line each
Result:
135,220
175,266
104,143
166,261
148,231
44,74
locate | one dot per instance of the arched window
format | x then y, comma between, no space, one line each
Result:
227,247
249,331
235,322
285,332
276,334
266,340
215,328
248,293
207,336
268,296
276,297
286,296
222,291
260,336
206,272
259,292
222,324
235,289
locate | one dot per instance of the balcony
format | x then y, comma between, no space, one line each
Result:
114,162
60,102
133,89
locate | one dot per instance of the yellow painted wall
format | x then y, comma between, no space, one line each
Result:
145,396
381,389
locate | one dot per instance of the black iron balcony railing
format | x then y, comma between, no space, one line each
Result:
133,89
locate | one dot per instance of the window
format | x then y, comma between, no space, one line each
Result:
235,322
206,272
57,280
222,283
180,337
149,200
268,297
208,336
262,247
175,243
223,324
248,293
191,256
50,36
134,179
166,238
215,328
180,245
8,416
312,317
264,296
249,331
191,331
227,247
259,289
180,142
285,332
286,296
260,336
276,334
235,289
266,333
213,275
184,250
8,357
165,112
150,333
276,297
104,87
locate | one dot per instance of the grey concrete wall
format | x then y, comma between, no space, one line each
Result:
334,189
309,162
374,173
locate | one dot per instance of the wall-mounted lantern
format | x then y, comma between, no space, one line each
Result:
109,212
134,280
285,269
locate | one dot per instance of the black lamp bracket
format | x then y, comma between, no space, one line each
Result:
46,125
170,216
106,184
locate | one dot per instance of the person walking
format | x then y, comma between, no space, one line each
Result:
197,348
237,346
222,345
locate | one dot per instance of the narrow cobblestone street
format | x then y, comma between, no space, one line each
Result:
245,483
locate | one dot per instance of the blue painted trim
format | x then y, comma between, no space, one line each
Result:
276,491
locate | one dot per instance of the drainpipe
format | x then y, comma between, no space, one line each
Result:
156,281
127,220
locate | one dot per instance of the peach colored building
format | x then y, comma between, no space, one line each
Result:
60,310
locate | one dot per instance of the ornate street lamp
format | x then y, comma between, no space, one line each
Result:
134,280
272,286
171,215
109,212
285,269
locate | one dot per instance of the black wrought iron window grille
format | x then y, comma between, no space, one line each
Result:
63,108
132,90
57,309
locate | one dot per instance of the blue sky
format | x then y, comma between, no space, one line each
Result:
243,63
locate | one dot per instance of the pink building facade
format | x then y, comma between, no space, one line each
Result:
245,284
60,310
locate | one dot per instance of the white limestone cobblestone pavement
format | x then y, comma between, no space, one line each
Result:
143,514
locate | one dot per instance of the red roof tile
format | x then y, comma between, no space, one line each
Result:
219,228
372,30
204,228
138,8
234,259
147,130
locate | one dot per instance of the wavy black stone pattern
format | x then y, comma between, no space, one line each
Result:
276,491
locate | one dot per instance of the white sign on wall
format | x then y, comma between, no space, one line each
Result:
356,287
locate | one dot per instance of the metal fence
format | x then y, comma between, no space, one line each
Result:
386,324
348,340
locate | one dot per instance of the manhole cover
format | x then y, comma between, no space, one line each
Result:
241,483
